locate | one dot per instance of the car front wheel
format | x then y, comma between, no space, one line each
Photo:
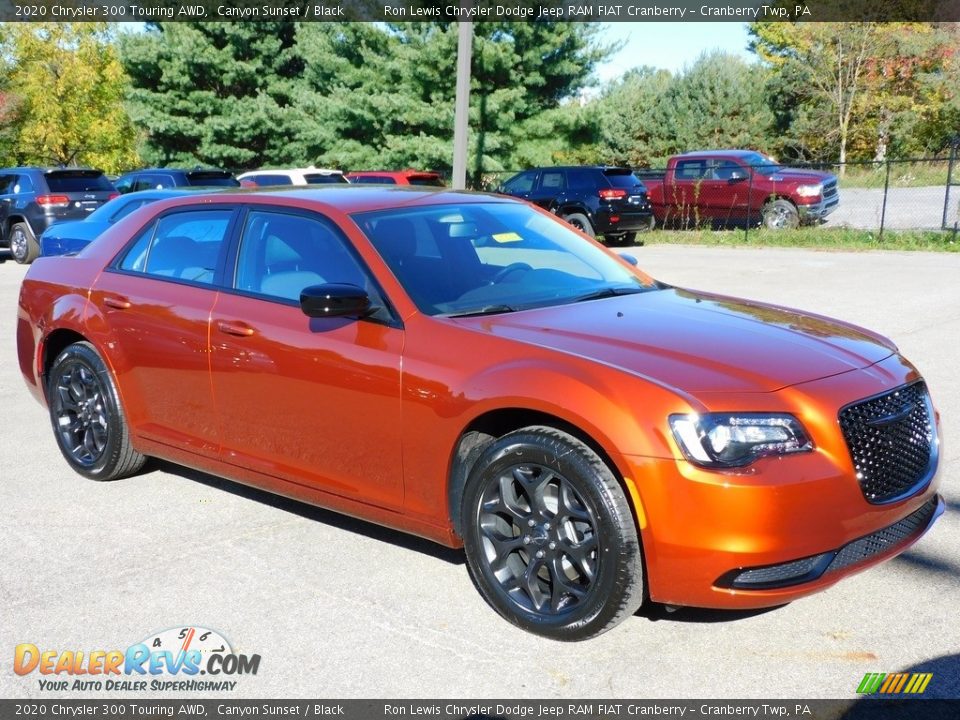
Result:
549,536
87,418
23,245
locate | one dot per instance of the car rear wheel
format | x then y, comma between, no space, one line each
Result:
23,245
87,418
581,222
549,537
780,215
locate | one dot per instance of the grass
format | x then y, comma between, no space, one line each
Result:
921,173
813,238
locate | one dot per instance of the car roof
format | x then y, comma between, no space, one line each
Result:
720,153
283,171
37,168
344,197
175,170
577,167
395,173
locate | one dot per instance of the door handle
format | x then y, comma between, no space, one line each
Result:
117,303
235,328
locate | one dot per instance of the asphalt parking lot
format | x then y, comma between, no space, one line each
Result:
338,608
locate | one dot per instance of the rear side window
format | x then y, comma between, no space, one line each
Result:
23,184
426,181
212,180
265,180
77,182
374,180
582,179
320,179
183,246
552,181
691,169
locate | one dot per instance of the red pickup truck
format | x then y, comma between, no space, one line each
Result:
735,187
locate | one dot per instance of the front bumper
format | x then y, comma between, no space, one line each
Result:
783,527
818,210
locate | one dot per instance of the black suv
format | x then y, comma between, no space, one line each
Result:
608,201
162,178
32,199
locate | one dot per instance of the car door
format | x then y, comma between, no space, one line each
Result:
685,192
315,401
156,300
6,201
552,186
521,185
723,194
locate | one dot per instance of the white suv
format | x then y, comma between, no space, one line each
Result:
303,176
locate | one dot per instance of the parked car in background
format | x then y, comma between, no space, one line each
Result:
734,187
66,238
32,199
471,369
599,200
162,178
396,177
303,176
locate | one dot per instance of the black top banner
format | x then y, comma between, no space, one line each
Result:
480,10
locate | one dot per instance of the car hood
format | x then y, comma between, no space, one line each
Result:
794,175
697,342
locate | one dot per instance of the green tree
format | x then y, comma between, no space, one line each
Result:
215,93
854,90
63,96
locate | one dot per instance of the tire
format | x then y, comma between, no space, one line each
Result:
23,245
780,215
581,222
549,536
88,421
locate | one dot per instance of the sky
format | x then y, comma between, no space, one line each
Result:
669,45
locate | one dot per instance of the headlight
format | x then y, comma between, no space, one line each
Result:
728,440
809,190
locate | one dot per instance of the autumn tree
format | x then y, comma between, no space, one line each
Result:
843,86
63,96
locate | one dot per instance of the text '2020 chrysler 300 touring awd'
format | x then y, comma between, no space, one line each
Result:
473,370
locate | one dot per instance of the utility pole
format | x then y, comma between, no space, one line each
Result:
462,105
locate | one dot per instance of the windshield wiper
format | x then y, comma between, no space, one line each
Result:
486,310
606,292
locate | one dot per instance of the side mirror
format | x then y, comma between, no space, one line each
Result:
334,300
630,259
738,175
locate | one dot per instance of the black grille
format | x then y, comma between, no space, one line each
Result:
884,539
891,441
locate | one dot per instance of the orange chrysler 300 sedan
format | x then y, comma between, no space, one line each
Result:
473,370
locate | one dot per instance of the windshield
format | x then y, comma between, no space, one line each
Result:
470,259
763,164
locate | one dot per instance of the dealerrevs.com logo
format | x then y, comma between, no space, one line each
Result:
172,660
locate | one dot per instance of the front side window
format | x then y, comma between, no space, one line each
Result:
281,254
522,183
492,257
183,246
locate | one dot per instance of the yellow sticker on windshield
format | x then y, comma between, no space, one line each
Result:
506,237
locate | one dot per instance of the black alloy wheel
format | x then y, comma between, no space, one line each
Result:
550,539
87,420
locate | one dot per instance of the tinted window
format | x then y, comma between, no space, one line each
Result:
282,254
6,184
623,179
581,179
426,181
124,185
265,180
184,245
153,182
77,182
211,180
521,183
319,179
373,180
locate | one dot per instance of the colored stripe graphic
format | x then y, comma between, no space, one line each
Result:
894,683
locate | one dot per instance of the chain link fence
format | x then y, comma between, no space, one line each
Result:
916,194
